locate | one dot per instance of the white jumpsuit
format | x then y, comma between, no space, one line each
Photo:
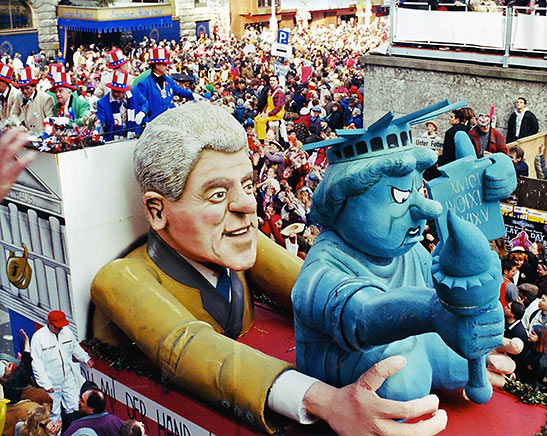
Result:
53,367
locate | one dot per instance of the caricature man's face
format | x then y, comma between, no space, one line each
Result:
389,218
215,218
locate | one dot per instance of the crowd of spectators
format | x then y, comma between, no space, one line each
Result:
282,104
320,90
524,296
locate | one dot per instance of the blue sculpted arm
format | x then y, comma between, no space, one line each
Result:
356,312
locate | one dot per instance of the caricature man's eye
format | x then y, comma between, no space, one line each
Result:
217,196
399,196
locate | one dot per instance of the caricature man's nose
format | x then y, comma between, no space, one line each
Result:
425,209
241,202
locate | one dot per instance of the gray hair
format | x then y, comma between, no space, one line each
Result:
172,143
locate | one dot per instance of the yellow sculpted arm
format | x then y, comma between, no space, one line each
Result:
275,271
200,360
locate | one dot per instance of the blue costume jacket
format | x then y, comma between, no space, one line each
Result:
152,93
106,110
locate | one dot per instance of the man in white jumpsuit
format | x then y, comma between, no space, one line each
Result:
52,349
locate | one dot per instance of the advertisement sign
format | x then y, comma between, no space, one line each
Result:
524,226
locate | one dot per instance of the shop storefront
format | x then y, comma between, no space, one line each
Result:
81,25
17,34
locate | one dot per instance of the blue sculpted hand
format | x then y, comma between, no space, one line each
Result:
470,337
500,178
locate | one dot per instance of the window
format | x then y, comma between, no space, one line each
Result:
348,151
392,141
268,3
361,147
376,144
14,14
404,138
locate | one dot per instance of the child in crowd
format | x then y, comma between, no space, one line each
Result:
517,156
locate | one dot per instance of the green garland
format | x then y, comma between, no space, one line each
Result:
128,359
526,393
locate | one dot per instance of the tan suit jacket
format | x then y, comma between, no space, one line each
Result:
12,108
36,110
169,322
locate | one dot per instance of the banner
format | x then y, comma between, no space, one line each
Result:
435,143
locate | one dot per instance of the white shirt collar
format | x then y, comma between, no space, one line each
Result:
209,274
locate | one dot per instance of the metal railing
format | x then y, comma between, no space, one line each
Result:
485,33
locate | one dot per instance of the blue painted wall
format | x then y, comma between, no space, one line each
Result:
158,34
18,322
22,43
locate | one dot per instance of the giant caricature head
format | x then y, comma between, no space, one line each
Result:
196,178
377,205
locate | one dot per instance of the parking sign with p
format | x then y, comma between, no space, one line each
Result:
282,37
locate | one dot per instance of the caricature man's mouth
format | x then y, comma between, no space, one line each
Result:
238,232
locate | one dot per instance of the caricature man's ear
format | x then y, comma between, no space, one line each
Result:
154,205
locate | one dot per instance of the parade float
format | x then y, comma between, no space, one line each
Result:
69,214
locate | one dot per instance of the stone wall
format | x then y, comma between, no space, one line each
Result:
216,10
45,20
405,85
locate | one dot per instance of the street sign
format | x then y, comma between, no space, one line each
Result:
282,50
282,37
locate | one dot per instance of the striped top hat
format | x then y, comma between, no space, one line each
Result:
6,72
159,56
119,81
53,69
63,79
116,58
26,77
